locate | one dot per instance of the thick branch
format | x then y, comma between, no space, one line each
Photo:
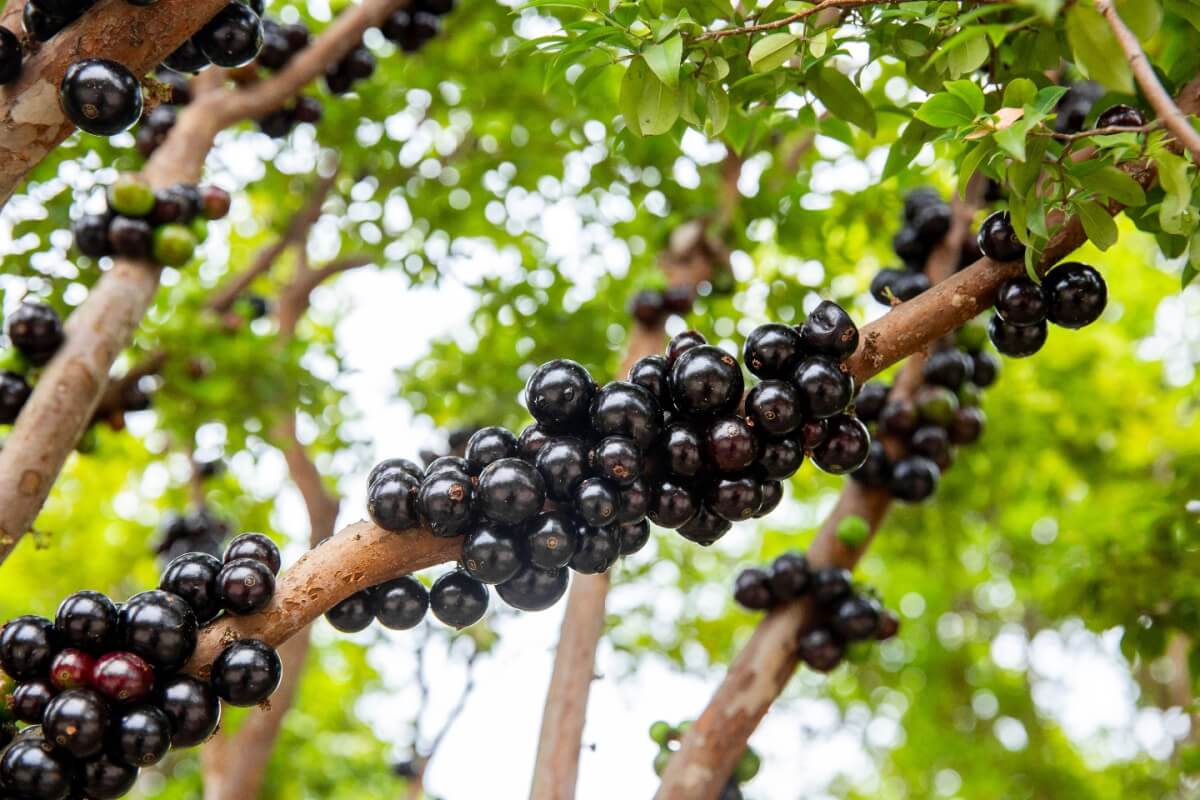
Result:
1143,72
294,299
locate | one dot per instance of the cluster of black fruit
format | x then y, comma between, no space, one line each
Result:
154,126
1077,103
282,42
842,615
413,27
101,686
164,226
668,736
579,486
198,532
651,306
924,429
1071,295
35,333
926,220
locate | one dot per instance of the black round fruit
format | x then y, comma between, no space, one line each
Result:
914,479
1121,116
87,620
684,450
487,445
948,368
617,459
705,528
680,343
131,238
706,380
932,442
856,618
395,466
531,441
790,576
159,627
192,707
563,464
774,407
780,458
633,502
451,465
29,700
141,736
255,546
632,537
105,778
445,500
673,505
534,588
40,25
652,373
29,767
510,491
193,576
27,646
559,395
457,599
232,38
735,498
552,538
968,425
824,388
998,240
392,501
247,672
820,649
91,235
870,400
772,350
752,590
400,604
598,550
100,96
932,222
10,57
828,585
730,445
846,446
772,496
1077,295
985,369
245,586
1020,301
829,331
352,614
625,409
908,284
14,392
77,721
1016,341
876,471
188,57
36,330
491,553
596,502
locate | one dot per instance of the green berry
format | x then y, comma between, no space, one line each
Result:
973,336
131,196
853,531
936,404
200,229
174,245
14,360
660,761
969,395
660,732
88,442
747,766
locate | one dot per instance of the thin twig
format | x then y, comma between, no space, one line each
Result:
825,5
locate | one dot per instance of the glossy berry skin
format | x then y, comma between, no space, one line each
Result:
932,442
856,618
105,778
487,445
31,768
40,25
400,604
706,380
76,721
214,202
829,331
625,409
633,502
29,700
652,374
71,669
123,677
752,590
705,528
246,673
968,425
245,586
948,368
192,707
821,650
597,551
307,109
870,401
452,465
907,244
101,97
684,450
392,501
90,233
559,395
781,458
35,330
898,418
14,392
789,576
193,577
1016,341
772,350
445,500
824,389
632,537
998,240
876,471
890,285
255,546
682,342
985,369
353,614
491,553
457,599
27,646
889,626
534,588
510,491
673,505
596,502
646,307
1120,116
730,445
531,441
232,38
845,447
141,735
914,479
1077,295
10,57
829,585
1020,301
87,620
617,459
772,496
774,407
187,58
735,498
563,464
935,404
551,540
131,238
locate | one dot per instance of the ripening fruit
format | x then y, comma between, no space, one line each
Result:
100,96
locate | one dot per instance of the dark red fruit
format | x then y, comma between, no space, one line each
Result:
646,307
968,425
677,300
27,646
705,528
352,614
914,479
752,590
1121,116
245,586
29,700
898,418
772,350
71,669
123,677
1016,341
534,588
76,721
846,446
131,238
307,109
400,604
829,331
559,395
192,707
1077,295
673,505
730,445
706,380
214,201
774,407
1020,301
889,626
492,553
247,672
255,546
998,240
100,96
457,599
821,650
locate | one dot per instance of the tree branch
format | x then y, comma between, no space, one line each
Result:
1176,121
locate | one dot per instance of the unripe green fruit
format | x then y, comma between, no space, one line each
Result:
853,531
973,337
660,732
14,360
88,442
199,228
969,395
131,196
7,685
174,245
936,404
747,766
660,761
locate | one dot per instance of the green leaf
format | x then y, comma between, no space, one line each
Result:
1099,225
1192,268
945,110
843,99
1046,9
1144,17
649,106
1176,214
1112,182
771,51
969,165
968,56
717,104
632,83
969,93
664,60
915,136
1020,93
1097,53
